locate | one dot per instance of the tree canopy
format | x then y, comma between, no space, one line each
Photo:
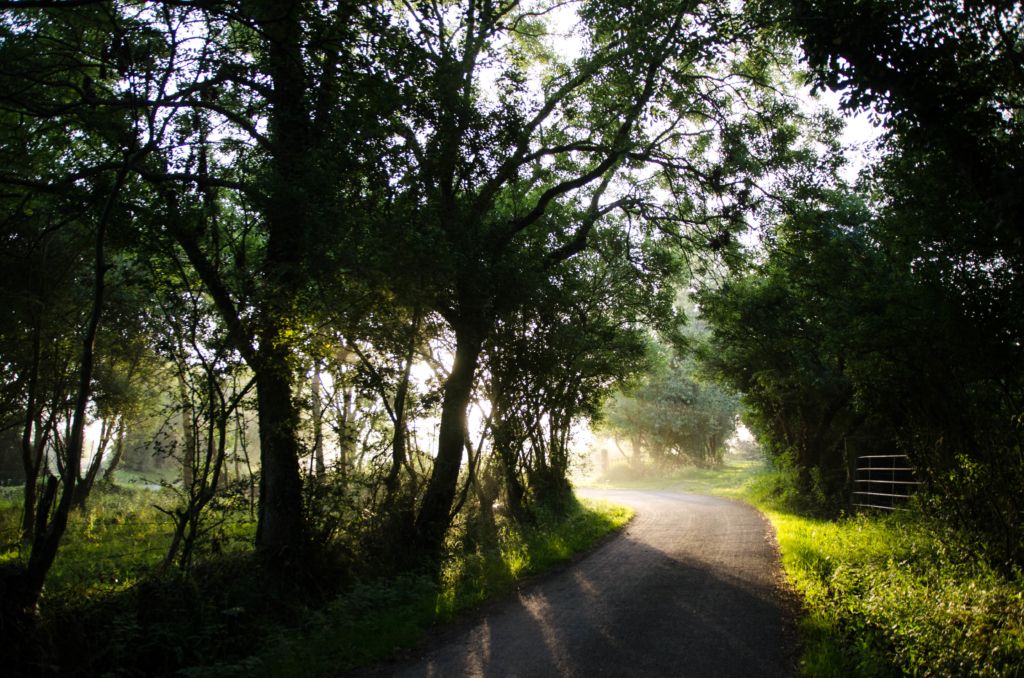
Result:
412,248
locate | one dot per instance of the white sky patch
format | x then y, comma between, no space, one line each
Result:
859,136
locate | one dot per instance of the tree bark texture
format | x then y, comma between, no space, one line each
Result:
280,533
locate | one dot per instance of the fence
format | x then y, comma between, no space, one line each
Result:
883,481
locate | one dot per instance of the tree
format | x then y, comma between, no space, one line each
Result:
674,418
944,79
250,205
494,193
784,334
550,365
85,186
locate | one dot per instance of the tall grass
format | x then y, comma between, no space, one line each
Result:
115,542
893,594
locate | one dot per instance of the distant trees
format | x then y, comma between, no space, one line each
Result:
673,419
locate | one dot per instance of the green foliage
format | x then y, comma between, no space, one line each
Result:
908,326
893,595
786,333
674,418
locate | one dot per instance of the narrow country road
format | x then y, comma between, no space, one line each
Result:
691,588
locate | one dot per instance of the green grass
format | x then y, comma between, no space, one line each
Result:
111,545
380,617
145,478
726,480
894,594
111,610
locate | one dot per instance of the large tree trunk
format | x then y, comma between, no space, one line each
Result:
435,513
280,534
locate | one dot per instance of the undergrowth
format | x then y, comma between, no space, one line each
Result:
378,617
895,594
111,609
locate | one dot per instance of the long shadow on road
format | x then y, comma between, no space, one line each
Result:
691,588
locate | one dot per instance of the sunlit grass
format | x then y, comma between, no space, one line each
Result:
113,543
883,595
147,479
726,480
380,617
894,595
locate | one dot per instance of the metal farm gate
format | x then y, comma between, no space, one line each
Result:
883,481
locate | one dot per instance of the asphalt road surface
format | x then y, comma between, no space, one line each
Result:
690,588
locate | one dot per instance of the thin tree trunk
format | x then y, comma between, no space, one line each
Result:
29,458
347,438
21,588
188,454
108,474
318,424
398,458
85,483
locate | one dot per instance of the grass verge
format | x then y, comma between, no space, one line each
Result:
727,480
380,617
107,611
896,595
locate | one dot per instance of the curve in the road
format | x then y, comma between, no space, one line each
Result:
691,588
